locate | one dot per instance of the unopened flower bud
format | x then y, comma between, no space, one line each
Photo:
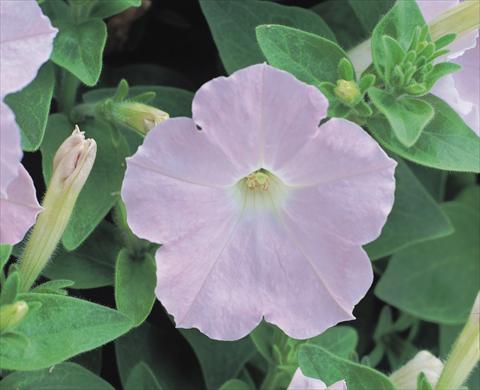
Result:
348,92
71,167
73,162
465,353
405,378
459,20
138,116
12,314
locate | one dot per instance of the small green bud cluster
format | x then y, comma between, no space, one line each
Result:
347,97
133,112
413,71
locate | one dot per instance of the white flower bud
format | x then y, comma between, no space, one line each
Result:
138,116
405,378
71,167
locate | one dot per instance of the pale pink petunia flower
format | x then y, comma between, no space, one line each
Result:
261,212
461,90
26,41
302,382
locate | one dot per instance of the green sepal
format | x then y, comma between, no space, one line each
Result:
394,55
5,252
445,40
416,89
345,70
10,288
122,91
440,70
427,51
422,382
145,97
363,109
54,287
366,81
328,89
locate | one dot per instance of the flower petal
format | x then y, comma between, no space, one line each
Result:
19,208
176,182
431,9
345,179
26,43
228,275
254,114
302,382
10,151
461,90
292,111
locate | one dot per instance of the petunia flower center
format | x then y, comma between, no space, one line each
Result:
258,180
261,190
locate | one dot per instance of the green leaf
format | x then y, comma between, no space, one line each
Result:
61,328
335,13
31,106
369,12
91,360
233,27
407,116
103,9
142,378
308,57
92,265
262,337
340,340
415,217
235,384
470,196
446,142
5,251
79,48
163,351
53,287
317,362
399,23
437,280
135,281
102,188
433,180
219,360
63,376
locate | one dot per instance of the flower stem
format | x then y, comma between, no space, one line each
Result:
43,240
275,379
465,353
67,92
